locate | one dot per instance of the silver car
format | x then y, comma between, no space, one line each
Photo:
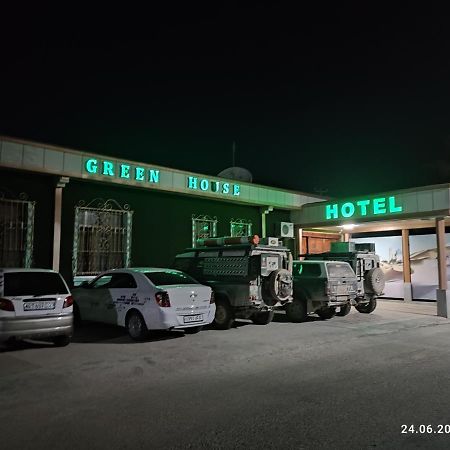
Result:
35,304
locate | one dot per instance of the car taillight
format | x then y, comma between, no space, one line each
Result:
212,300
162,298
6,305
68,301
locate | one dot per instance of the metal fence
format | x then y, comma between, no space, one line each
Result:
16,232
102,237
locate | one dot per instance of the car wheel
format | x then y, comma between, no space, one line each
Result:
224,317
296,311
374,281
61,341
262,317
136,327
367,308
344,310
326,313
193,330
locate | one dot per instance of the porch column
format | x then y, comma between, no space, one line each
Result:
62,181
407,286
442,293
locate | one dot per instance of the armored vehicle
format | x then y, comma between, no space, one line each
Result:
366,265
320,287
249,278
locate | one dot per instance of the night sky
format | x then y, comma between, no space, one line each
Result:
345,99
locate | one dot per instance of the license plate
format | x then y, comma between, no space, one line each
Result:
190,319
38,306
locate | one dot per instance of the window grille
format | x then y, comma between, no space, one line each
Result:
102,237
240,227
203,227
16,231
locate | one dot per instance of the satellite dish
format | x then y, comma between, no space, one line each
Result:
236,173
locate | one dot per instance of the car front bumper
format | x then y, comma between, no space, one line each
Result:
36,327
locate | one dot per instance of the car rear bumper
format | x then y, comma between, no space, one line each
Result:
36,327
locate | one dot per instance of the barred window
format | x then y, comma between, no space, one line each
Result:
203,227
102,237
16,231
240,227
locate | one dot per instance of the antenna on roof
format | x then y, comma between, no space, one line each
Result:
236,173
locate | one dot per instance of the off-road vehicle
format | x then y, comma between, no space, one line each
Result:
250,279
366,265
320,287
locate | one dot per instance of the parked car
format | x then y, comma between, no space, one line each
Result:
142,299
320,287
250,278
35,304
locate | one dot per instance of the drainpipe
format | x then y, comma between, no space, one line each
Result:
264,212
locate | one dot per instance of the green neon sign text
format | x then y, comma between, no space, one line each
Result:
124,171
362,208
219,187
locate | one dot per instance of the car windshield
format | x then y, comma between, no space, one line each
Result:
168,278
336,270
33,283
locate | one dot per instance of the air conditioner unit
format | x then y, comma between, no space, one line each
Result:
287,229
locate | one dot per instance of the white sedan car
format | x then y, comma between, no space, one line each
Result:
142,299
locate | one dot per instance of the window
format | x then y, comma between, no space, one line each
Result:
340,270
102,237
203,227
33,283
240,227
115,281
307,270
169,278
16,232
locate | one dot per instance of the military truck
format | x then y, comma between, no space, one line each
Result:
366,265
249,278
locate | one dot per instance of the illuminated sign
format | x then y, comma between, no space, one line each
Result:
123,171
134,173
221,187
377,206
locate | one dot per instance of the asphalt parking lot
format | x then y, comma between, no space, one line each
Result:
348,382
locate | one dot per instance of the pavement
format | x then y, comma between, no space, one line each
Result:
349,382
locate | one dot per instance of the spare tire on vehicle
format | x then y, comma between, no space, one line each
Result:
280,284
374,281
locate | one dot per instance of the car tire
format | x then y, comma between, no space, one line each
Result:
344,310
296,311
262,317
61,341
136,326
193,330
374,281
224,317
326,313
367,308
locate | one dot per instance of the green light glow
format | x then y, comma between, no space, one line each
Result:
153,176
124,171
91,166
377,206
108,168
139,174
